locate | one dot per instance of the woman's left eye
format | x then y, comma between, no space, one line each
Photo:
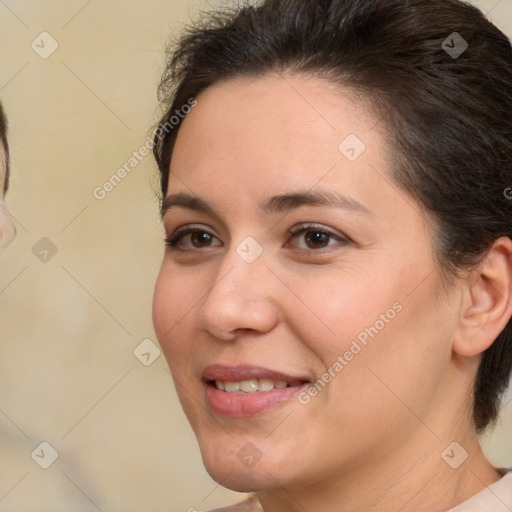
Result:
314,237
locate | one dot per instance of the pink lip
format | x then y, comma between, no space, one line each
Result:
246,372
249,404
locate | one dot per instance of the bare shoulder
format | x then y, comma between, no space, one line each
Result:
251,504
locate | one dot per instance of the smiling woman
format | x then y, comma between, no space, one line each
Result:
336,229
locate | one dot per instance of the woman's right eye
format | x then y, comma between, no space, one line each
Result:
191,238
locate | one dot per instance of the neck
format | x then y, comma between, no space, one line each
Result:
413,477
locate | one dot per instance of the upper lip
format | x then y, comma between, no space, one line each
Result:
228,373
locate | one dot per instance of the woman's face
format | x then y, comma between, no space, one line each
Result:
305,263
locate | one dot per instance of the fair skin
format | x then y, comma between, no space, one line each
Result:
7,230
372,439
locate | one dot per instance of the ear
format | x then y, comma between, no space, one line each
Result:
487,304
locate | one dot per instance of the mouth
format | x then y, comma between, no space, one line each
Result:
241,391
250,386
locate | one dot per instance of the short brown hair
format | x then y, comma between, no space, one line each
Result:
448,112
5,147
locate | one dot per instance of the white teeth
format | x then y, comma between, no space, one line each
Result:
250,386
265,385
232,387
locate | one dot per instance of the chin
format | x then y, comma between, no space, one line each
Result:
239,467
240,480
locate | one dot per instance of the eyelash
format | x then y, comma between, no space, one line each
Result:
300,230
180,233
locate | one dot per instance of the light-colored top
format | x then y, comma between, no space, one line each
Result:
251,504
495,498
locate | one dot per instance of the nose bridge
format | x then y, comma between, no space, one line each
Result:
240,296
243,270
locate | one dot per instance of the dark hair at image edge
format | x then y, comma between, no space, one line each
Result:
5,147
449,119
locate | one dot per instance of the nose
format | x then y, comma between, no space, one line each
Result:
243,297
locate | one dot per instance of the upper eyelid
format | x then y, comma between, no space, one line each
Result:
189,225
312,227
187,229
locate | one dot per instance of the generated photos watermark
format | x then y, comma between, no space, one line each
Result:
100,192
356,347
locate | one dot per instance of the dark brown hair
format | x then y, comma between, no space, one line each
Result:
5,147
447,108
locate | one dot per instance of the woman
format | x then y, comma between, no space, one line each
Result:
335,298
7,230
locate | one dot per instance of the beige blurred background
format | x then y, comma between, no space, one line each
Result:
76,285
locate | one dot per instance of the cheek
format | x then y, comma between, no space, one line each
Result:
161,305
174,300
375,322
331,309
404,357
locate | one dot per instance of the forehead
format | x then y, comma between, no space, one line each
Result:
275,133
274,109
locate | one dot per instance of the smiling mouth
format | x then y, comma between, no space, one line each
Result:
253,385
248,379
240,391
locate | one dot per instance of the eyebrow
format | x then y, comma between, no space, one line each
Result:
281,203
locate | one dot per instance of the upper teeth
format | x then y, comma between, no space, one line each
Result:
250,386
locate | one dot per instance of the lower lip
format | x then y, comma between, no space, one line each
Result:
242,405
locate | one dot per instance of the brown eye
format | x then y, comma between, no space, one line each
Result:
316,239
190,238
200,239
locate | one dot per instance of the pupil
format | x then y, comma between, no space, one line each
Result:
315,238
199,239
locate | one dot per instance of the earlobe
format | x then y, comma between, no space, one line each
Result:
488,305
